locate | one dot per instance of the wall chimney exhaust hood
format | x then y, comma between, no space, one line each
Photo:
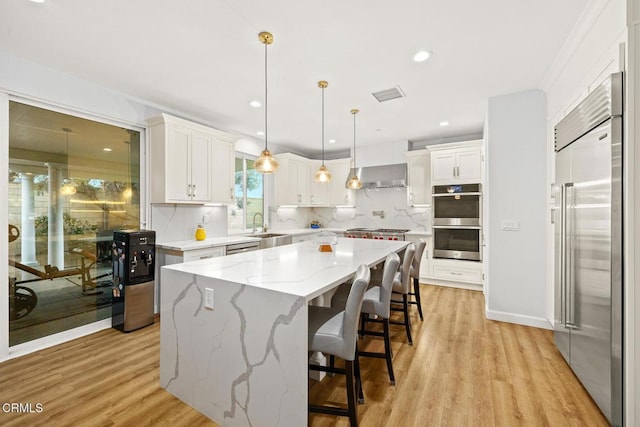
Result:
386,176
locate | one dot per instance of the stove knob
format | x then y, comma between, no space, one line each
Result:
395,238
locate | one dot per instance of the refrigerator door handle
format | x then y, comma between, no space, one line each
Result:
563,251
568,237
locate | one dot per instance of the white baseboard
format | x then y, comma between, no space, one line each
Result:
520,319
59,338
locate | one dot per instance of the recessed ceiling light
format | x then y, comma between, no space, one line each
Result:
422,56
332,141
106,149
37,1
260,133
444,123
255,104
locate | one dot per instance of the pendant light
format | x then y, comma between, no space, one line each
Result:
354,182
323,174
67,188
266,163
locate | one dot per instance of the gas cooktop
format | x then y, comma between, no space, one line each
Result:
381,230
377,233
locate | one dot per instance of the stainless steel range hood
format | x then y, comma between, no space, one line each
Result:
386,176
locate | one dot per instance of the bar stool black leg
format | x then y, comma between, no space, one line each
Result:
387,351
416,292
407,322
351,393
363,324
356,367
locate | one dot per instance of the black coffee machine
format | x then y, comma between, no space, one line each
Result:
133,258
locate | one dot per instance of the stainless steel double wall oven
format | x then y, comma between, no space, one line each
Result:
457,221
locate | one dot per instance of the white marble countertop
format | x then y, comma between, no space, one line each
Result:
299,231
299,269
189,245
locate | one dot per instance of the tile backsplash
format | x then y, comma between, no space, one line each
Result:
379,208
179,222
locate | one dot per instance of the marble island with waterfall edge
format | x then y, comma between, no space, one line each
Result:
244,362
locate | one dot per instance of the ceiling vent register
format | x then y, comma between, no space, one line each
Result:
389,94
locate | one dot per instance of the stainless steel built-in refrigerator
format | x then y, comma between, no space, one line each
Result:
588,244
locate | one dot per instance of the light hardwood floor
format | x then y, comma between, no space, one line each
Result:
463,370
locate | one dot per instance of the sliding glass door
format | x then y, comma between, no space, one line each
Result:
72,182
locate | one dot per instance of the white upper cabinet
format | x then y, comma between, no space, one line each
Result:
419,171
339,194
223,172
295,183
457,163
182,159
292,180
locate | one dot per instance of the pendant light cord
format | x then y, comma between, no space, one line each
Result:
354,140
322,126
265,96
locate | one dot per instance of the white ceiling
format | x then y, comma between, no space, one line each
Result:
203,58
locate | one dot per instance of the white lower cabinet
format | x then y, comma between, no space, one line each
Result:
303,237
424,263
456,271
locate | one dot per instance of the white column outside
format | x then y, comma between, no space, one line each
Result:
55,243
28,228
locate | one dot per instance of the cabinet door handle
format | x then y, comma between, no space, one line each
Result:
231,195
206,256
454,171
188,190
194,191
458,171
456,274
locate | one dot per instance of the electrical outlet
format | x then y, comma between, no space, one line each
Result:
208,298
206,218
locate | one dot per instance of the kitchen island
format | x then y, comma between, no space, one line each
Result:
244,362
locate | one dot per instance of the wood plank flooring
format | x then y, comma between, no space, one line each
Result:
463,370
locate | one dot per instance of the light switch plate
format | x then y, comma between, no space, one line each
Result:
208,298
510,225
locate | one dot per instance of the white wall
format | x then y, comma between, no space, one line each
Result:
388,153
516,182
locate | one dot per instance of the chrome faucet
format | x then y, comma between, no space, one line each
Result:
264,226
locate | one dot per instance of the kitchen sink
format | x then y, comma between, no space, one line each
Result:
270,240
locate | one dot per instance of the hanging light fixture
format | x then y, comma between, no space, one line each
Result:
354,182
266,163
127,193
323,174
67,189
